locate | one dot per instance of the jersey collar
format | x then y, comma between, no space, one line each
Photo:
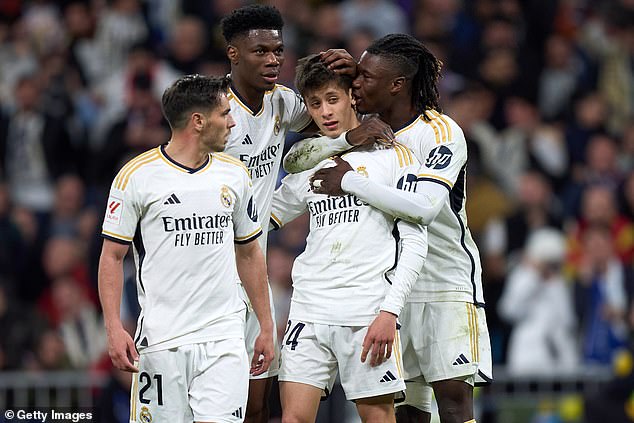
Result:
179,166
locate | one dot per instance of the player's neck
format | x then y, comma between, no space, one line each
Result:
399,115
250,96
188,153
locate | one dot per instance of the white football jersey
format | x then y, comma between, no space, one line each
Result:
452,270
257,140
340,279
182,224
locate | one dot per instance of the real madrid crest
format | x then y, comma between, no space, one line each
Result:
277,125
361,170
225,197
145,416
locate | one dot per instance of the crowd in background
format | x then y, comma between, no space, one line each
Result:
543,89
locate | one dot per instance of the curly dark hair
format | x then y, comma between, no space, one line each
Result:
253,16
311,74
192,93
415,62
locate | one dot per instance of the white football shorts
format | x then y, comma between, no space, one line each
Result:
445,340
312,353
206,382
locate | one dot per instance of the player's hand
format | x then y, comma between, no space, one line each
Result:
339,61
328,179
263,353
371,130
379,339
122,350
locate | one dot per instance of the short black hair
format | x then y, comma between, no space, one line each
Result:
189,94
415,62
253,16
312,74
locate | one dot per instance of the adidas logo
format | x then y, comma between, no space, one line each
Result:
388,377
460,360
172,199
247,140
237,413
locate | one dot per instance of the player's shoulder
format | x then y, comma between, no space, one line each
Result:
139,165
283,92
445,130
229,163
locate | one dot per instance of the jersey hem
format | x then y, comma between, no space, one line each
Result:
117,240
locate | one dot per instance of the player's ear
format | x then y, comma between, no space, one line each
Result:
233,54
397,85
197,121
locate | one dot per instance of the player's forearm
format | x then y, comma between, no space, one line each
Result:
307,153
252,272
110,284
417,207
409,266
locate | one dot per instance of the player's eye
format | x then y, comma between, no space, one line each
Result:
333,100
259,51
279,50
314,104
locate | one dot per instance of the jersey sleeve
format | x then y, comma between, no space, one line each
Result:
299,117
245,214
413,236
122,211
446,156
288,202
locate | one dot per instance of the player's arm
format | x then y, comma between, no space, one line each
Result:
121,347
420,207
307,153
252,272
287,200
413,251
380,336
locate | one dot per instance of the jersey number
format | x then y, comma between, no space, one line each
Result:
291,339
146,379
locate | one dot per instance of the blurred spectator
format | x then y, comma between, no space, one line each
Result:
62,258
35,149
600,297
119,27
187,44
117,92
67,207
538,302
536,209
590,112
80,325
381,16
83,52
559,78
601,167
599,208
50,354
140,128
526,142
18,326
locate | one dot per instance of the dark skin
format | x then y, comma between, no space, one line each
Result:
378,88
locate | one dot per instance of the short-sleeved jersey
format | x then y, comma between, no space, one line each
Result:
257,140
452,271
340,278
182,224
